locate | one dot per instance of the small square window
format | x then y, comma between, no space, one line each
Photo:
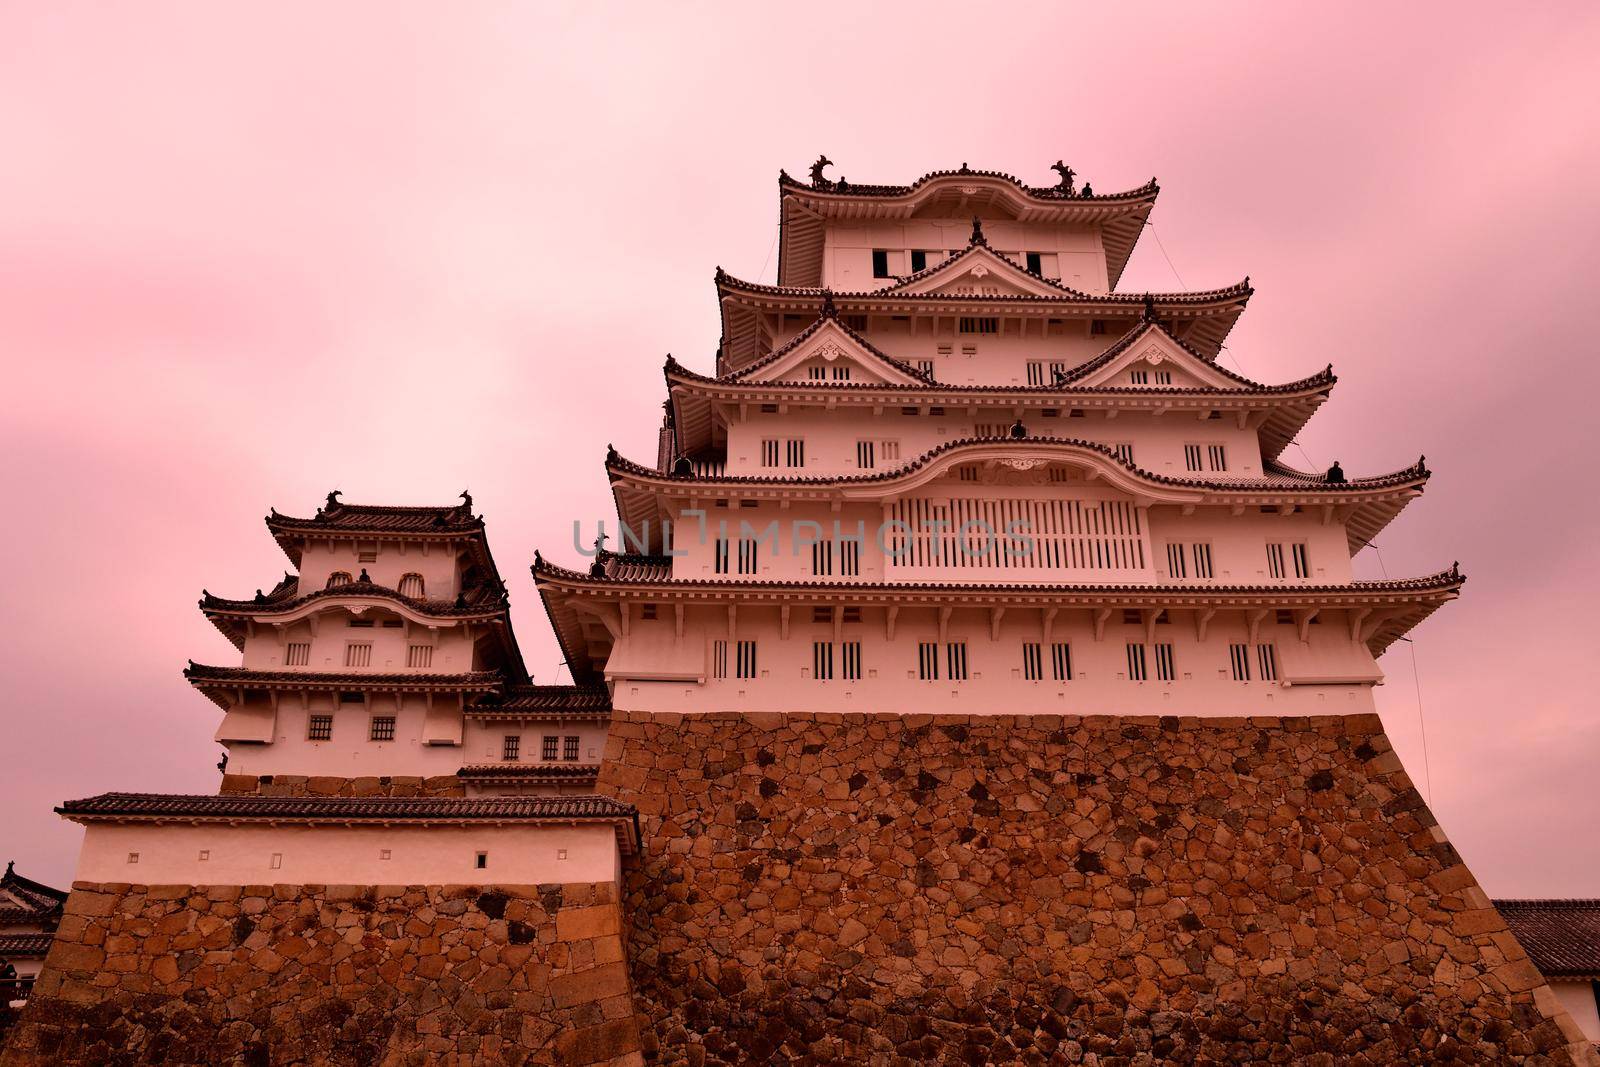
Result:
277,861
383,853
133,857
205,854
482,861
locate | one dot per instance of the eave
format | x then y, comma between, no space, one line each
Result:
644,495
221,683
581,604
753,314
529,773
245,810
702,404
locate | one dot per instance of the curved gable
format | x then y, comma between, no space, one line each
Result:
978,270
828,351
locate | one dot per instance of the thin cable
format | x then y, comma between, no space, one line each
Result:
1416,681
1422,724
762,273
1164,255
1416,677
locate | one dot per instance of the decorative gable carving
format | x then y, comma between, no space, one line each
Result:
834,346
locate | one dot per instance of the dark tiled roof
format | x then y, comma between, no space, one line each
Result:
340,517
486,600
531,772
15,945
218,681
552,698
201,675
1322,380
23,899
209,807
1281,478
1240,290
623,570
1562,937
1145,191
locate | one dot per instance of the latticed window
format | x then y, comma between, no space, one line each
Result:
955,656
419,655
822,661
547,747
320,728
382,728
511,747
746,660
569,748
1136,663
719,659
338,578
850,661
1032,661
411,586
297,654
358,655
928,661
1061,661
1267,660
1239,661
1164,666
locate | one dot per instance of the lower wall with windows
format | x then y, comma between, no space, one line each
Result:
336,974
346,751
976,668
1058,889
215,853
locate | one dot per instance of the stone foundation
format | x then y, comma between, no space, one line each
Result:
300,785
880,890
264,975
857,889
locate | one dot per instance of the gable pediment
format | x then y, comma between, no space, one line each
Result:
829,352
1153,359
981,272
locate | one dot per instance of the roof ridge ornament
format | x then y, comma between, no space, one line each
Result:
466,501
365,577
977,237
1335,474
1067,174
817,180
1018,430
1148,314
829,311
333,500
1088,190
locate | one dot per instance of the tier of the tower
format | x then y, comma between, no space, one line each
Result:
388,664
841,235
853,407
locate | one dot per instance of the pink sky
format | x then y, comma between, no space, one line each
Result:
403,250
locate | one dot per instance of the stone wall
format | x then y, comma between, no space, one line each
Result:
300,785
857,889
264,975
